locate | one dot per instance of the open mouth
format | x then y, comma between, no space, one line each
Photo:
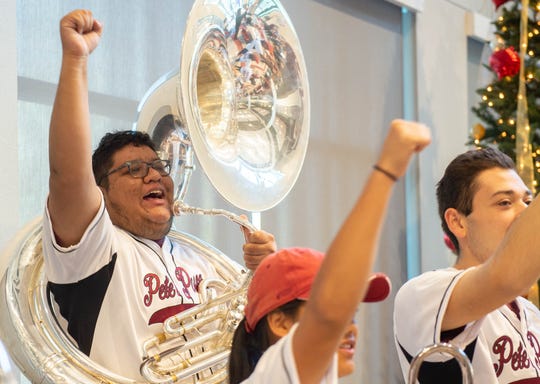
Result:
156,194
348,345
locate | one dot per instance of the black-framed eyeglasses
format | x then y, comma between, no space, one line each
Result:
139,168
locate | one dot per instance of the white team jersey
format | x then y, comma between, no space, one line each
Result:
503,346
115,289
277,365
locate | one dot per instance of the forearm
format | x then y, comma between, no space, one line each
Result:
69,135
73,196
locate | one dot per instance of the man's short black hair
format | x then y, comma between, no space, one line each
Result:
112,142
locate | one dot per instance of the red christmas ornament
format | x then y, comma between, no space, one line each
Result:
498,3
505,62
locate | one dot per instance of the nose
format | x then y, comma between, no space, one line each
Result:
351,331
152,175
520,208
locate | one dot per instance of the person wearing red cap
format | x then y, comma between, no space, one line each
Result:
278,291
301,305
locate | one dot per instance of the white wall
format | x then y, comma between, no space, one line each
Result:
442,104
444,100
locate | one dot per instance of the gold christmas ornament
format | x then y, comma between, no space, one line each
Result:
479,131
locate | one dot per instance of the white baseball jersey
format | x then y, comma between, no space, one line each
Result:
503,346
115,290
277,365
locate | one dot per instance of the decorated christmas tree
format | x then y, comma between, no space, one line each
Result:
510,105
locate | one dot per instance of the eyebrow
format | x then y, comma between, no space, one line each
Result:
511,192
140,160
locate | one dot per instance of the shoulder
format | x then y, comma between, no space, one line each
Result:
430,286
528,305
430,278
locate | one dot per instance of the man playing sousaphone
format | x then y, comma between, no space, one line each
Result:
113,272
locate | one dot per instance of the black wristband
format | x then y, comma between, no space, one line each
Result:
385,172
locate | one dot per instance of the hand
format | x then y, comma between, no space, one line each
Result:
80,33
259,244
404,139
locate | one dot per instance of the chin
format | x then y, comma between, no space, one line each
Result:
345,368
164,217
342,372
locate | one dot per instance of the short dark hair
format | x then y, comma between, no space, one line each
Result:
112,142
457,187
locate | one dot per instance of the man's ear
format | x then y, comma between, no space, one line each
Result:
279,323
456,222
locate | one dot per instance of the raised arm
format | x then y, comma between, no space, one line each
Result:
73,195
341,282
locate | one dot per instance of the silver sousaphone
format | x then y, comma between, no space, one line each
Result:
240,101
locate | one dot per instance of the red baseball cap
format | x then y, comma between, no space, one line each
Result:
288,274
